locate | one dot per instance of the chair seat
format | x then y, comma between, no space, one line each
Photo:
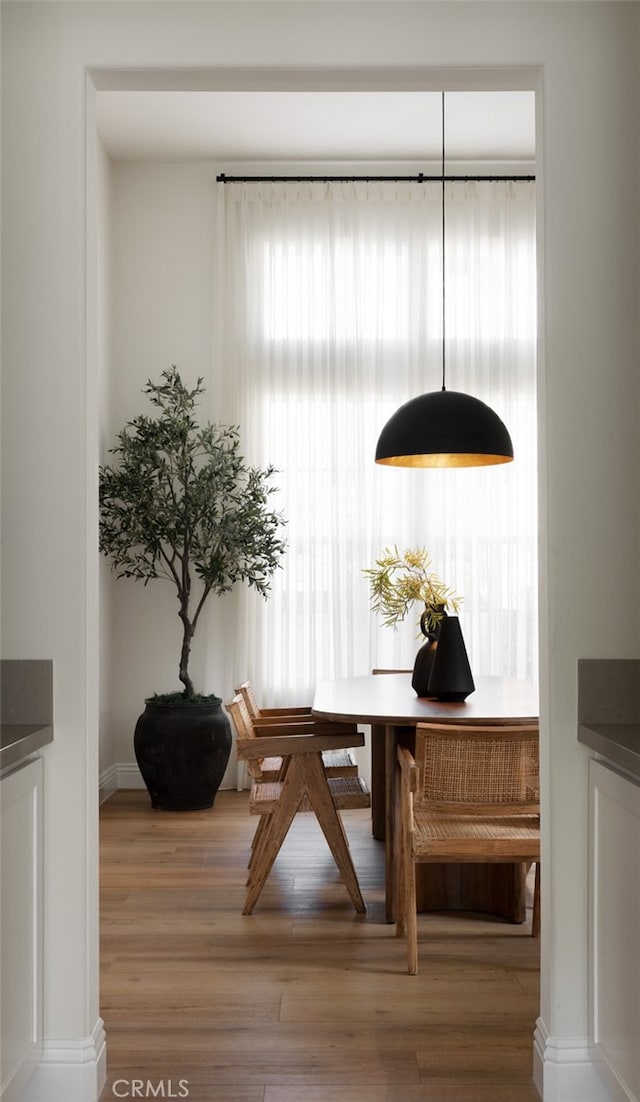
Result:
337,763
438,838
342,760
347,793
270,768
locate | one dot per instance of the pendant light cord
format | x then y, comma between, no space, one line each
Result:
443,260
444,428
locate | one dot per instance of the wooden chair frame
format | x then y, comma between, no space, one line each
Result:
245,690
303,785
338,763
481,804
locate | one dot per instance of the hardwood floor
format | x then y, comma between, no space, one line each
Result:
303,1001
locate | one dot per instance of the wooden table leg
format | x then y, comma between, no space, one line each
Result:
378,783
392,795
496,888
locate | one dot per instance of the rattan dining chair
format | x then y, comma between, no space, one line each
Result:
338,763
260,769
303,785
249,697
470,794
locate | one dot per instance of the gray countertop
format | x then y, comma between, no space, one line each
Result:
619,743
609,710
19,740
26,708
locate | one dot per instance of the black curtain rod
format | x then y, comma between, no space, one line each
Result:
419,179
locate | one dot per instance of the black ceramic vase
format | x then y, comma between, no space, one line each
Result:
451,678
424,658
182,751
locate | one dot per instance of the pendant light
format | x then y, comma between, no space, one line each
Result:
444,428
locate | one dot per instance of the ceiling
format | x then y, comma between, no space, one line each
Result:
325,126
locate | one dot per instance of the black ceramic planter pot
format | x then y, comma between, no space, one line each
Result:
182,751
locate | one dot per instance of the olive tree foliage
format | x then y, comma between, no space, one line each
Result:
180,503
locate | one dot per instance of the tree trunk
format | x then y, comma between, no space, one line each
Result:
187,636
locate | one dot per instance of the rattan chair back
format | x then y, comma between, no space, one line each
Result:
467,770
246,692
242,722
338,763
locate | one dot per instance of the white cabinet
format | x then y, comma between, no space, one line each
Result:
21,929
614,920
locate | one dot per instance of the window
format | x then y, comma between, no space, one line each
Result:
332,315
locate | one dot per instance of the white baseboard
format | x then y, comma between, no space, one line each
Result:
107,783
70,1071
127,775
565,1069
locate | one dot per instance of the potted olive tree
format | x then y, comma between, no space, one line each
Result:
181,504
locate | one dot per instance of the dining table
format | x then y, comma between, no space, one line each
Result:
386,701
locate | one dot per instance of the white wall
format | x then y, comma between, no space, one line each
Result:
589,400
163,222
104,327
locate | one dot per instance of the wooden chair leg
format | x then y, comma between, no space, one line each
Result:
263,823
535,921
305,777
411,917
322,803
272,839
401,924
401,890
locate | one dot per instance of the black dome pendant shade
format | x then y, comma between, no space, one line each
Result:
444,428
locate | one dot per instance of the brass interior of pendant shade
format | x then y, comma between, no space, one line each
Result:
445,459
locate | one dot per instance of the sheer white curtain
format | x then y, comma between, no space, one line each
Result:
329,305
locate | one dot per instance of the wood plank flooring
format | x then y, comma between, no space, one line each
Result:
303,1001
